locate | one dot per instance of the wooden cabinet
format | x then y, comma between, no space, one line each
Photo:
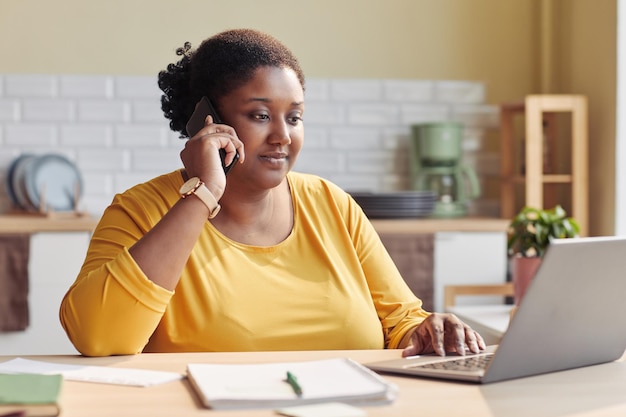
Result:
534,172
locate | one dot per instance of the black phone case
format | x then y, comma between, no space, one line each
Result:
196,122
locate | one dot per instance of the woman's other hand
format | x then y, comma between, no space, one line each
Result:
441,333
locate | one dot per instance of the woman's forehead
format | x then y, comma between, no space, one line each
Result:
268,82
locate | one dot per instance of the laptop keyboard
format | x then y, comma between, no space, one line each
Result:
466,363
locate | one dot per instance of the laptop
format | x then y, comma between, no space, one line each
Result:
572,315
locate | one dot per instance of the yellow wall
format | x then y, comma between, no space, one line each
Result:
495,41
587,64
485,40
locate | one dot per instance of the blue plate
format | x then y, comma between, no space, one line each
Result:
55,180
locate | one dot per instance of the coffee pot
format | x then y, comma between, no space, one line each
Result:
436,166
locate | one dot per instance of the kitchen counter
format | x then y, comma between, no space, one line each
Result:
434,225
422,249
27,223
34,223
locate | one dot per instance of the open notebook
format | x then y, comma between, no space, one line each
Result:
572,315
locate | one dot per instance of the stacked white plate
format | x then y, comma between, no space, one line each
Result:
47,182
401,204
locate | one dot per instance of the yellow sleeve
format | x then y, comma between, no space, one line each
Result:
113,308
399,310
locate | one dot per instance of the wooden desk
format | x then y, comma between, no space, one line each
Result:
597,391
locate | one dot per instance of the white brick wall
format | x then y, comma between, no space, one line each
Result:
357,130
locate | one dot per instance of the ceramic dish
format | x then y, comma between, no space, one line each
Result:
402,204
17,181
9,179
52,181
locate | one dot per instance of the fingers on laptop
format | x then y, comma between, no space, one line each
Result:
441,333
460,338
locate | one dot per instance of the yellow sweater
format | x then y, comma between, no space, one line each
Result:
330,285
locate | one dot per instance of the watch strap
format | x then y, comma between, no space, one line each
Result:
209,200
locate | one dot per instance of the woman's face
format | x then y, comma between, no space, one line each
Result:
266,113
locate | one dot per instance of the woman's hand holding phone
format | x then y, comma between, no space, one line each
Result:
197,121
206,135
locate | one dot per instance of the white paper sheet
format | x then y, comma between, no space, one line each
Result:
98,374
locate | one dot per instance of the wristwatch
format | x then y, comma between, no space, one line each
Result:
195,186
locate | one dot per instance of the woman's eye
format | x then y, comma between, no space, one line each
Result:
295,119
260,116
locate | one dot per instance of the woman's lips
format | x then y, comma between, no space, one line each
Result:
274,157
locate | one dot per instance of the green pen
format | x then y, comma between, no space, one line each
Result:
293,381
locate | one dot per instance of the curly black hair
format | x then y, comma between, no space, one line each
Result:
219,65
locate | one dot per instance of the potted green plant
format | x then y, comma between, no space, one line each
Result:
529,236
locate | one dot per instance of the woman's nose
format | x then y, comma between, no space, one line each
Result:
280,133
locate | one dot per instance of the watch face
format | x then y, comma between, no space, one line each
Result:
189,185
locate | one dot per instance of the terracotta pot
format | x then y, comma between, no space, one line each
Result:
523,271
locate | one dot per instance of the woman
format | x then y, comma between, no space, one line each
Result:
284,261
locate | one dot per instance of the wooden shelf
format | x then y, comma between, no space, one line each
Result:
434,225
539,109
16,223
27,223
547,179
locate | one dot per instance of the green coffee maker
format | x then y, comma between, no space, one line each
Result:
436,166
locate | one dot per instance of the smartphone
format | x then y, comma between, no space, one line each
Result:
196,122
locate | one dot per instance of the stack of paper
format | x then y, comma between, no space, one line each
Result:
228,386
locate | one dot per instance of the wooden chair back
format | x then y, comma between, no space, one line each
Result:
453,291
